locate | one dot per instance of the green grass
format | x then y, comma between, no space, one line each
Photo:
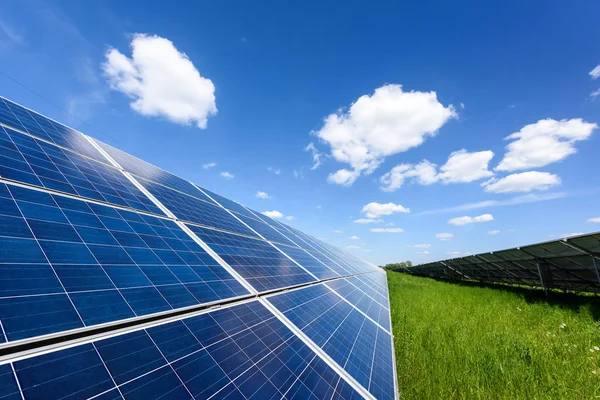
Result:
466,341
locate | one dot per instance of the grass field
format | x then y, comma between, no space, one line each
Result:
467,341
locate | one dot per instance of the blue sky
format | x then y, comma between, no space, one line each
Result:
383,92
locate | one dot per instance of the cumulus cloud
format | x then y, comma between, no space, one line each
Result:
386,230
289,217
354,237
544,142
316,155
227,175
388,122
421,246
209,165
273,214
262,195
368,221
461,167
471,220
494,232
595,220
376,210
161,81
523,182
444,236
595,73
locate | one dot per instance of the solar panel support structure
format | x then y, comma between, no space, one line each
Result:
594,257
168,212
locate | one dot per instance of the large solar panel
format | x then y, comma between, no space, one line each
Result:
119,280
569,264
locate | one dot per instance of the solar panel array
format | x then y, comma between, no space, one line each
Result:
119,280
568,264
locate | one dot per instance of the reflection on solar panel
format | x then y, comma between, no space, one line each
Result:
569,264
119,280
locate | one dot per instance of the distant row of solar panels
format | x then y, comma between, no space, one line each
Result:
571,264
91,237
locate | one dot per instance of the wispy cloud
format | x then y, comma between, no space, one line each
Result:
262,195
209,165
227,175
528,198
276,171
386,230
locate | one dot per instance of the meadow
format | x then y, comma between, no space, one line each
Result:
468,341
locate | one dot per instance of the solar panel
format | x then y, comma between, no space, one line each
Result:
119,280
94,264
239,352
261,264
27,160
569,264
344,333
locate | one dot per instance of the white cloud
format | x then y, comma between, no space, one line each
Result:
422,253
388,122
368,221
595,220
494,232
273,214
471,220
454,253
444,236
595,73
461,167
227,175
523,182
376,210
299,173
290,217
161,81
209,165
276,171
352,247
354,237
316,156
465,167
421,246
386,230
262,195
595,93
338,231
423,173
543,143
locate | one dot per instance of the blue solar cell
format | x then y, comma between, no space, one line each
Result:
345,334
261,358
9,390
362,301
375,285
191,209
259,263
266,231
152,173
89,264
25,159
229,204
310,263
37,125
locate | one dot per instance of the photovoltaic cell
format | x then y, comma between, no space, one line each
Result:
230,204
310,263
343,333
375,285
266,231
152,173
25,159
18,117
362,301
259,263
239,352
66,263
191,209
